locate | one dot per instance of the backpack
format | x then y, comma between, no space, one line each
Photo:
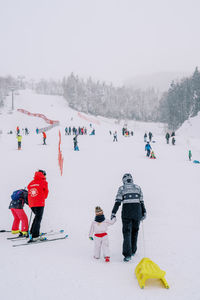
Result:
20,194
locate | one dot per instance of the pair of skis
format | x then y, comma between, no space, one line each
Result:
51,232
44,238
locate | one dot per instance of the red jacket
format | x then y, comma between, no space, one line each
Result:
37,190
44,135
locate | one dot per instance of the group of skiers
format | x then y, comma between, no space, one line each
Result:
26,131
129,195
73,130
34,197
150,135
167,137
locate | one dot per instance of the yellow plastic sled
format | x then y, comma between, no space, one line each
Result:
147,269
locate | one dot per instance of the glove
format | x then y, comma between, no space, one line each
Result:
112,216
143,217
91,238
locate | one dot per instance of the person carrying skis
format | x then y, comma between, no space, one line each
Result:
133,211
37,193
19,141
99,229
167,136
148,149
44,137
19,198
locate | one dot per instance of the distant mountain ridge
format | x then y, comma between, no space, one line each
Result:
160,81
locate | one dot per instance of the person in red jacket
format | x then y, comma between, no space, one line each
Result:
37,193
44,137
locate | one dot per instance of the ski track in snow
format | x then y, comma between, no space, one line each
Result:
66,269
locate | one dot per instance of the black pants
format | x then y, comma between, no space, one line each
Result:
35,228
130,233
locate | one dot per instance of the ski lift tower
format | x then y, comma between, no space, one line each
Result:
12,90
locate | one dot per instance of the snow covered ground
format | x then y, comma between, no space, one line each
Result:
66,269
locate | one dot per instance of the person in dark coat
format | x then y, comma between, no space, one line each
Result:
167,136
133,211
150,136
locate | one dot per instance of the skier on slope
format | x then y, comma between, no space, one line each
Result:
75,140
44,137
133,211
99,229
190,155
145,137
37,193
150,136
115,136
167,136
19,198
19,141
148,148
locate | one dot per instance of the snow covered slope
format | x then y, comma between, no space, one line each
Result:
66,269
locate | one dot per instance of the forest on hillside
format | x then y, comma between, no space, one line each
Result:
180,102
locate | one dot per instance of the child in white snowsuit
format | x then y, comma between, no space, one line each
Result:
99,230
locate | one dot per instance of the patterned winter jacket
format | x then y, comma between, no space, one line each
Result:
131,197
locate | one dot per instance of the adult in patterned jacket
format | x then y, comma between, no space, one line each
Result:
133,211
37,193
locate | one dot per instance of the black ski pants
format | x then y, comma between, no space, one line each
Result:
35,228
130,233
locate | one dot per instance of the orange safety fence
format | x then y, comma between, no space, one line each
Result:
60,157
38,115
91,120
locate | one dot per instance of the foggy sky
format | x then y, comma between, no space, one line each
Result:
110,40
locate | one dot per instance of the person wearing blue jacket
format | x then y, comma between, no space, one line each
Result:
148,149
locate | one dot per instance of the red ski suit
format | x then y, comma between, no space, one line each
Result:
37,190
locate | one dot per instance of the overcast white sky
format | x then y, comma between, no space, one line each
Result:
110,40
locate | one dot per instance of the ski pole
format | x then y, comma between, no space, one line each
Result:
29,225
144,248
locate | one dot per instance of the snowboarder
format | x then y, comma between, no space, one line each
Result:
19,141
190,155
148,148
19,198
99,230
115,136
145,137
133,211
37,193
167,136
173,140
44,137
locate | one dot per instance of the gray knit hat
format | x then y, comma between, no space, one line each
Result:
98,210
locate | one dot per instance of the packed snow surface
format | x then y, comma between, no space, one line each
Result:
66,269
